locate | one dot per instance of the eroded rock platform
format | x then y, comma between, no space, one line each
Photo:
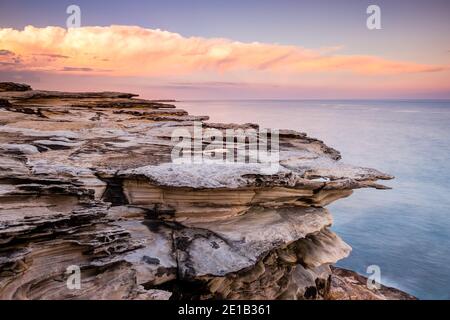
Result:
86,179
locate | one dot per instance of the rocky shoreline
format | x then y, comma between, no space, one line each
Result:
86,179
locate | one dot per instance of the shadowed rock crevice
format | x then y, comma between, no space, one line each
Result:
114,192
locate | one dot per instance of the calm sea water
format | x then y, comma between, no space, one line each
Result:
406,230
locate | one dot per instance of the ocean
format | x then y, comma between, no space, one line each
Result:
405,231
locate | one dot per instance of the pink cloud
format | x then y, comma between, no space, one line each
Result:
136,51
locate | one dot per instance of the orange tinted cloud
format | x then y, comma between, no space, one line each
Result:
136,51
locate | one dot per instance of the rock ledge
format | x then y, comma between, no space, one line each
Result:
87,181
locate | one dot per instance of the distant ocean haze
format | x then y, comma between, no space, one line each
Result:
406,230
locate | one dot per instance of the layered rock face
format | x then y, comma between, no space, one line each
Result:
87,180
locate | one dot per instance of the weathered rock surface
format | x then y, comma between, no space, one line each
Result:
12,86
348,285
87,181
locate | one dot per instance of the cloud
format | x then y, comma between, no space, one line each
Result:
77,69
50,55
136,51
6,53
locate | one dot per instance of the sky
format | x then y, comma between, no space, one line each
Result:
285,49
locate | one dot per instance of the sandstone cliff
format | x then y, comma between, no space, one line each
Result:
86,179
